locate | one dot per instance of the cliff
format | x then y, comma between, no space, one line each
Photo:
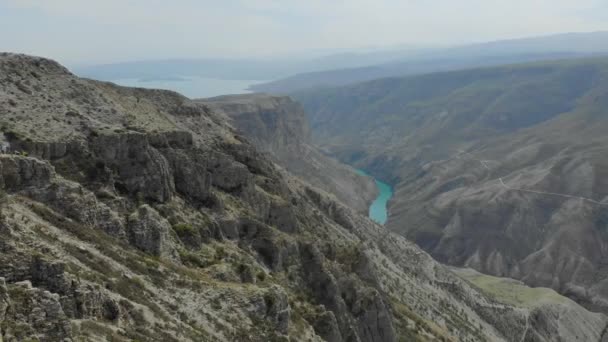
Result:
279,126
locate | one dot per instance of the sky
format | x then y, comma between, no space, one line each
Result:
103,31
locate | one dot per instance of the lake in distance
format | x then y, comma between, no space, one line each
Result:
192,87
378,210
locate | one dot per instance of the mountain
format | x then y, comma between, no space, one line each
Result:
135,214
570,45
242,69
279,126
497,169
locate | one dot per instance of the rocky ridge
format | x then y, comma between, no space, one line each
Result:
279,126
132,214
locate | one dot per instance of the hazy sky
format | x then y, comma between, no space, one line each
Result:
75,31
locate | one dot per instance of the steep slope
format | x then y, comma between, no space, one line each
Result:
141,215
499,169
279,126
569,45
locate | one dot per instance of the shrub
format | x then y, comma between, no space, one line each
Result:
184,229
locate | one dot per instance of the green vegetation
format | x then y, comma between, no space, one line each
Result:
185,230
510,291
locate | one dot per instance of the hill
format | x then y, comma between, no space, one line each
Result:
560,46
267,68
498,169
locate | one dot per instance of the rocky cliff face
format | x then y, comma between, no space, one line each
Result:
141,215
279,126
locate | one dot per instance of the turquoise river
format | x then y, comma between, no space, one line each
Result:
378,211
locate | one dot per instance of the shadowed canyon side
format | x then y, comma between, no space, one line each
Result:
134,214
279,126
499,169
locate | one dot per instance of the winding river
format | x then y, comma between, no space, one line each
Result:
378,210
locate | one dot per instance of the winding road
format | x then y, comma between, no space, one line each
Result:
504,185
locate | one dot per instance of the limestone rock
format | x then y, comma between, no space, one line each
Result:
190,177
81,205
326,326
228,174
4,299
141,168
151,233
21,172
51,275
370,311
229,228
39,313
275,308
282,216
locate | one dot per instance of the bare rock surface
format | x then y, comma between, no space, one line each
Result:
279,126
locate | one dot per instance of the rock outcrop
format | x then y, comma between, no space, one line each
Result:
151,233
279,126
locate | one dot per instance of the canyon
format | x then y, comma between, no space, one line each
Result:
498,169
136,214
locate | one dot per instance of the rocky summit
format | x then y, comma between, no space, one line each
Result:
140,215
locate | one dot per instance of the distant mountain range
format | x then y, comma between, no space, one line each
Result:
569,45
291,74
242,69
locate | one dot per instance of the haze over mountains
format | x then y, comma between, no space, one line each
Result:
294,73
570,45
243,69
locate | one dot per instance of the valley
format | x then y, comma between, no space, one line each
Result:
304,171
497,169
219,220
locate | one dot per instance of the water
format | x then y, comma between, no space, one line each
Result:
378,210
192,87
